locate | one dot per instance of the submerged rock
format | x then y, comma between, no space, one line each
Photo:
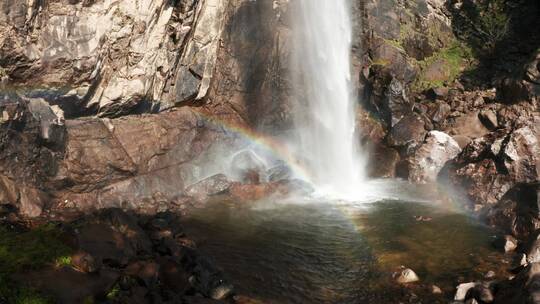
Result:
462,291
406,276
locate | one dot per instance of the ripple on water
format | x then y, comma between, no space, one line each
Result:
339,253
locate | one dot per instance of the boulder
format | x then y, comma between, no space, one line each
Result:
408,132
248,167
384,161
213,185
468,125
431,156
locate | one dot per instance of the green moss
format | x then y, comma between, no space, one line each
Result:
114,292
31,249
15,293
454,60
381,62
28,250
395,43
63,261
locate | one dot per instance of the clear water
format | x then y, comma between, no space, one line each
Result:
339,252
324,113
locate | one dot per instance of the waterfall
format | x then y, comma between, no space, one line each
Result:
324,113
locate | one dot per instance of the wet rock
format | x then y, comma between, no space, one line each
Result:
279,173
251,192
462,290
85,262
369,129
515,212
146,271
248,167
209,186
112,237
510,243
69,286
385,160
490,275
431,156
173,276
481,293
406,276
241,299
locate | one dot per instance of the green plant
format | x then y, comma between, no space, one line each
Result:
453,60
484,24
63,261
31,249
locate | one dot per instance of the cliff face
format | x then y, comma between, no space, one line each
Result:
110,57
88,63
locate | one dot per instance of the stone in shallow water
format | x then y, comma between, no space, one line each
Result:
462,291
407,276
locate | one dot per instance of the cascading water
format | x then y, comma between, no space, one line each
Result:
325,111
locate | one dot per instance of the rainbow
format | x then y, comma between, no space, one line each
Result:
263,141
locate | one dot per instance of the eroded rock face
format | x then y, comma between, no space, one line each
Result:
116,57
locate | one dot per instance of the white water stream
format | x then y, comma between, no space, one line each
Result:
325,111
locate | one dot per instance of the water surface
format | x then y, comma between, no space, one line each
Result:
339,252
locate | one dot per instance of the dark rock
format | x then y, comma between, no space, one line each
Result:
85,262
384,161
398,103
146,271
173,276
69,286
409,131
438,111
438,92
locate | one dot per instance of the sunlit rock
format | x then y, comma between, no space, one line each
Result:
431,156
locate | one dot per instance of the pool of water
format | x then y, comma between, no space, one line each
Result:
316,251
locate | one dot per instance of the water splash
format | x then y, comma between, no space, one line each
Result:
325,110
